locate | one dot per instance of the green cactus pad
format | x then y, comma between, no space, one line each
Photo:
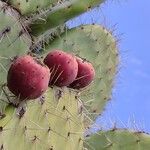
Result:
13,41
51,13
39,41
118,139
97,45
31,6
51,122
58,14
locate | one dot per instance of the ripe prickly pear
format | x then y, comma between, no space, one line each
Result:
63,67
85,75
28,78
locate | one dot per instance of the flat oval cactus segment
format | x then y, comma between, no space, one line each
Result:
31,6
27,7
43,13
98,46
118,139
52,122
14,40
63,11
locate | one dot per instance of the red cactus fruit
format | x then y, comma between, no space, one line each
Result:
28,78
63,67
85,75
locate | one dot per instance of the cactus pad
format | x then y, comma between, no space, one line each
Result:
49,13
31,6
51,122
97,45
63,11
45,14
118,139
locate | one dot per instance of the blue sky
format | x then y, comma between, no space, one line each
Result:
130,105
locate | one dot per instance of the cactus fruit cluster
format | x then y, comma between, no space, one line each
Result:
49,99
29,78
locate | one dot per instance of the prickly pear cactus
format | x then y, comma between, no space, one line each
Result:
53,117
118,139
96,44
45,14
58,119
